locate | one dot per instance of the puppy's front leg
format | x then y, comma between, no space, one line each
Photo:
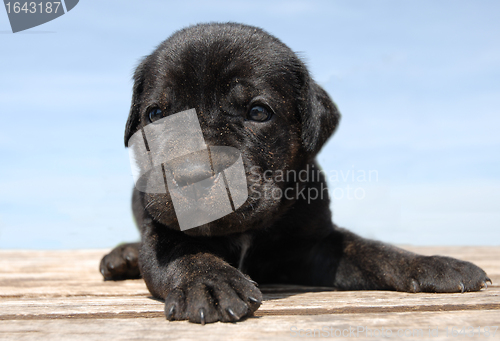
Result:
196,284
121,263
368,264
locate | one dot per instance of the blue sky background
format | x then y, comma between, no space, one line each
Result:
417,83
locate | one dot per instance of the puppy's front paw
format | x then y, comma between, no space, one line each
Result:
121,263
222,294
445,274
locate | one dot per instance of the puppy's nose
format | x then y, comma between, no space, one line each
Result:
191,168
203,164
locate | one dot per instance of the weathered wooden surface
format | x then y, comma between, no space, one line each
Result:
60,295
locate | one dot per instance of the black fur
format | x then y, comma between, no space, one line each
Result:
221,70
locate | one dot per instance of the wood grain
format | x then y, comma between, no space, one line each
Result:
61,295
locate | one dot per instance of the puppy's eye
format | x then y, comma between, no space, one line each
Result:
155,115
259,113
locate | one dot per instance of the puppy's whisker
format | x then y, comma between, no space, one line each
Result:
159,215
149,204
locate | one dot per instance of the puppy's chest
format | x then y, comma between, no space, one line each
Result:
240,246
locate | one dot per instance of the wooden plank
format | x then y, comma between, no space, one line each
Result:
316,303
59,273
263,328
61,295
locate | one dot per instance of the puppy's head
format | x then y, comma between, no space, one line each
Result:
252,93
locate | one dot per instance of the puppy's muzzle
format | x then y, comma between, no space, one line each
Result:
205,183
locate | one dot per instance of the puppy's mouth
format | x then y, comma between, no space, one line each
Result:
203,186
194,193
196,204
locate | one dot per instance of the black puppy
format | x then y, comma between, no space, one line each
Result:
251,92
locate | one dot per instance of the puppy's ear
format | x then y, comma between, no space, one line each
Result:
319,120
134,116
